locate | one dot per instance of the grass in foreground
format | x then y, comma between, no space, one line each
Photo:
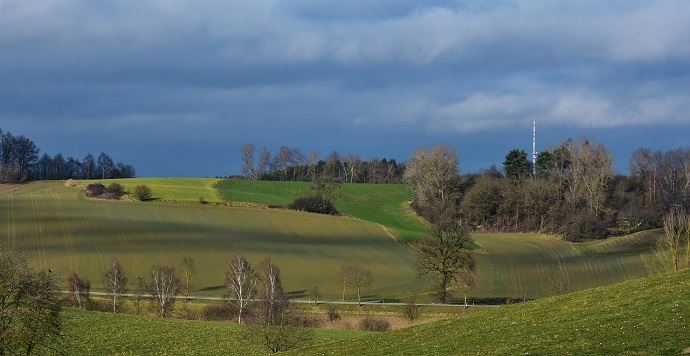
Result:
646,316
97,333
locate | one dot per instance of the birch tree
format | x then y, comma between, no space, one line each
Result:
248,161
274,301
115,281
80,288
164,287
240,283
670,244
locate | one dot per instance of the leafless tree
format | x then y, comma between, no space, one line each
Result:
80,288
353,165
589,175
431,174
465,282
240,283
313,161
274,301
140,289
358,277
188,270
115,281
670,244
643,166
248,161
282,159
164,287
264,162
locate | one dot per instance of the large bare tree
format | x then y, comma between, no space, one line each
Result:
240,283
589,175
164,287
431,175
115,281
262,166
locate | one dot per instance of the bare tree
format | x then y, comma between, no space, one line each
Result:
248,161
115,281
589,175
313,161
240,283
670,244
431,174
344,275
358,277
465,282
164,287
282,159
140,289
188,270
274,301
80,288
105,165
264,162
353,165
25,155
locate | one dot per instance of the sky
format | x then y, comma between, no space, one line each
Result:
177,87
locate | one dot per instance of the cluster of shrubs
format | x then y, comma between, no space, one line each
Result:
371,323
98,190
116,191
314,205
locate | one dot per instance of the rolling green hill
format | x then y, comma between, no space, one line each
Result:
59,228
646,316
96,333
171,189
385,204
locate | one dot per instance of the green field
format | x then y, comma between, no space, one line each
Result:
96,333
647,316
172,189
59,228
385,204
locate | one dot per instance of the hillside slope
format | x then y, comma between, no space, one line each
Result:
647,316
58,228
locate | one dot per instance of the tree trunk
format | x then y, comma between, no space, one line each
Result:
359,298
114,301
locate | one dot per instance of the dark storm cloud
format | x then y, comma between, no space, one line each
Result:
211,75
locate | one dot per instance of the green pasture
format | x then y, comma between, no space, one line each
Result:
642,317
385,204
171,189
60,229
97,333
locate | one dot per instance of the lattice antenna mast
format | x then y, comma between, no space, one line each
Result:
534,148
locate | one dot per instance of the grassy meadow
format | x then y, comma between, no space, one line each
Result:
648,316
98,333
60,229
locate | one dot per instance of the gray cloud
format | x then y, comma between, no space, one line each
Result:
225,69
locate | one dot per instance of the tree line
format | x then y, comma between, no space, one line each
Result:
20,161
290,164
573,190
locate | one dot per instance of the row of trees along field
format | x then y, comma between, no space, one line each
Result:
290,164
574,192
20,162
